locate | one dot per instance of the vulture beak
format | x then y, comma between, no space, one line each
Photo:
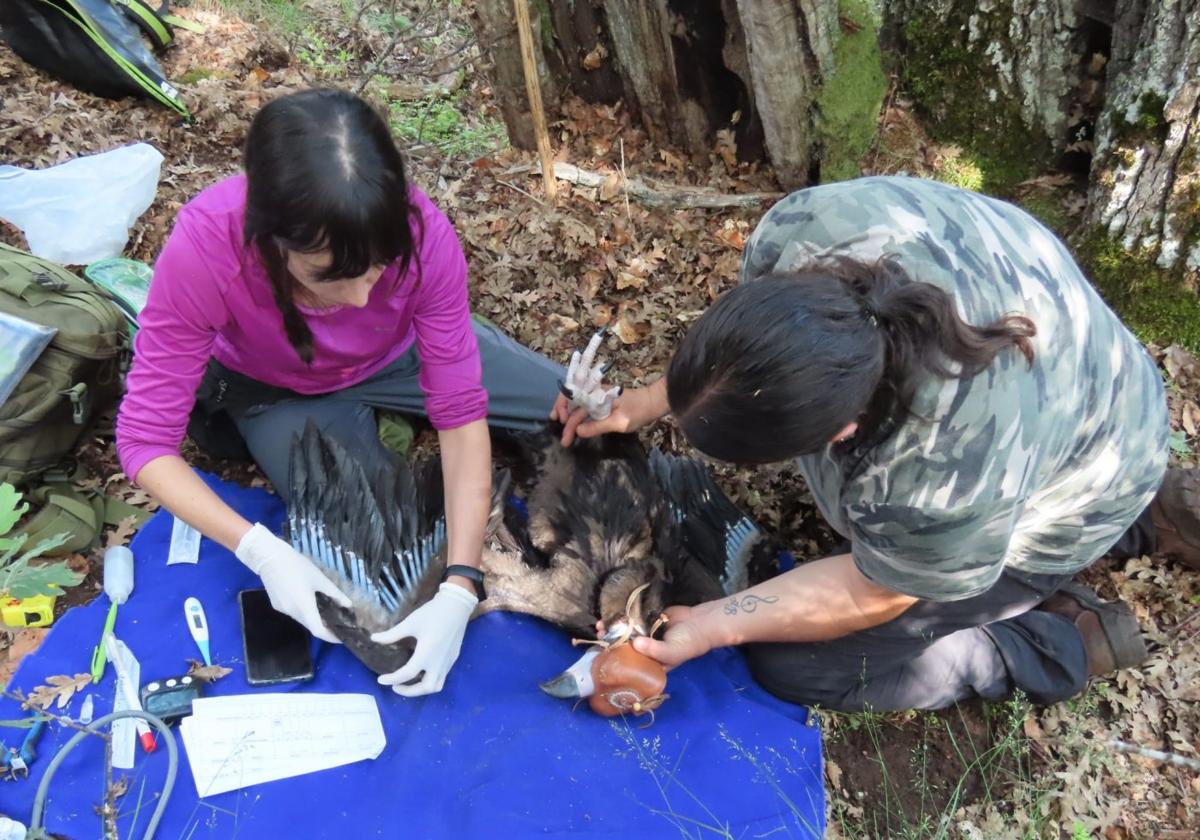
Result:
576,681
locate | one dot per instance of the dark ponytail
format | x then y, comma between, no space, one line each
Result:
778,366
323,174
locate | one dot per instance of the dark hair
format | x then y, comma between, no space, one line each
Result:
779,365
323,173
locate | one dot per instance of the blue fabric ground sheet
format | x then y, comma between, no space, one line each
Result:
489,756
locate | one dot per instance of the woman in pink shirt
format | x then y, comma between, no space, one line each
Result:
320,286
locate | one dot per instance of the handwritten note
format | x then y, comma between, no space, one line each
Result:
234,742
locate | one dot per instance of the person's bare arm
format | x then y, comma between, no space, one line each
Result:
819,601
173,484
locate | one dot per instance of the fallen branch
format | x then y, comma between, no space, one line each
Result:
652,193
1157,755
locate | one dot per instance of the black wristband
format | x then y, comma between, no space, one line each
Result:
470,572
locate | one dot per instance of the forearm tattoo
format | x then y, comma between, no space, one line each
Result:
747,603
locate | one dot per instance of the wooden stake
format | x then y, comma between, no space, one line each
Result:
525,30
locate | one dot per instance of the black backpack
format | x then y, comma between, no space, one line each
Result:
94,44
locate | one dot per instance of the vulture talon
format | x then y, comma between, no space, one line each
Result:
662,621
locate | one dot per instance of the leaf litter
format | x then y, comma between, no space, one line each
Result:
549,275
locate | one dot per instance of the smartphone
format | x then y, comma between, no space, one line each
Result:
278,648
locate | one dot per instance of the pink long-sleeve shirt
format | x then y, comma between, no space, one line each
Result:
210,297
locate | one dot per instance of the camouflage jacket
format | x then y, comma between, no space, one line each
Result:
1039,469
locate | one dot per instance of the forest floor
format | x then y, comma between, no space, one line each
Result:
550,274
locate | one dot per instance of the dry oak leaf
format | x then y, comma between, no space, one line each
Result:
595,57
611,186
630,331
564,323
119,788
58,689
123,533
207,673
1177,360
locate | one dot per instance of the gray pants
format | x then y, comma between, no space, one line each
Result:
521,384
936,654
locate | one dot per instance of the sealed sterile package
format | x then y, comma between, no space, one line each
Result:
127,281
21,342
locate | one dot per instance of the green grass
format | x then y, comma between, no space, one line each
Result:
1048,209
911,806
849,101
445,123
987,773
315,53
289,18
962,170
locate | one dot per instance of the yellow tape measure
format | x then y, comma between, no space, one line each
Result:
37,611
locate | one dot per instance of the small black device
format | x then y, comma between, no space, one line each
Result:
170,699
277,647
470,573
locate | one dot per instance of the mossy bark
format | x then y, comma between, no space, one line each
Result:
1145,182
993,76
849,102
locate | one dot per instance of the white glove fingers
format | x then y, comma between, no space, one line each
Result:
573,370
589,353
595,375
406,672
393,635
333,592
323,633
420,689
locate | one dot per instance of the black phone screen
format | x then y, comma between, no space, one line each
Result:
277,646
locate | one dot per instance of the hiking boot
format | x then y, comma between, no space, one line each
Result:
1176,513
1111,635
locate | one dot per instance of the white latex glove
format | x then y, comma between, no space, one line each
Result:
291,579
439,627
582,386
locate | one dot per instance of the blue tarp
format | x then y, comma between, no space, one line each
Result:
490,756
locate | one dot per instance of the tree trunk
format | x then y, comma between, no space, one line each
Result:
789,47
1146,171
687,68
495,25
995,76
641,38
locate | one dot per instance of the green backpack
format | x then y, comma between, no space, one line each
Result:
78,374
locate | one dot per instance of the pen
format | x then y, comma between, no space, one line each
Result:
131,699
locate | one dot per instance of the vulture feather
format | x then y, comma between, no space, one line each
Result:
606,533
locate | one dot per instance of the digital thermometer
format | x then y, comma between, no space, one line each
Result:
197,626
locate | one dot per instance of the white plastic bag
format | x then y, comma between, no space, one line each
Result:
81,211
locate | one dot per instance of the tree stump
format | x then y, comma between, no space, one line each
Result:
746,72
